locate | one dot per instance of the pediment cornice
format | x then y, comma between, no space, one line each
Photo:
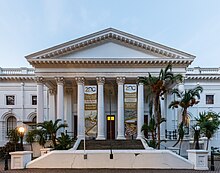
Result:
106,35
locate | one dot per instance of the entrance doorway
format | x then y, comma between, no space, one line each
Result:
110,127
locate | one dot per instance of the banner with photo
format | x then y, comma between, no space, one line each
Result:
90,99
130,105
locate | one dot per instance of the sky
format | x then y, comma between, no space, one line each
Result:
28,26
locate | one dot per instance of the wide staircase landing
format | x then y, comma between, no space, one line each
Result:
111,144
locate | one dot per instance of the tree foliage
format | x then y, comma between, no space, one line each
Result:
209,124
157,87
185,99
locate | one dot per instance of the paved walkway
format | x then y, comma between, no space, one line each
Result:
217,166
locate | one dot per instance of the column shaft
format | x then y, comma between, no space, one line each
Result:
101,111
140,110
121,125
80,107
40,100
60,99
52,105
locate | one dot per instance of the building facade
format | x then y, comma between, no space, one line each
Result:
90,83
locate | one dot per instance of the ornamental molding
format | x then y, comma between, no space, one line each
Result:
107,35
100,80
120,80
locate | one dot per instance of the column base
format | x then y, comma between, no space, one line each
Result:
121,138
100,138
80,136
140,137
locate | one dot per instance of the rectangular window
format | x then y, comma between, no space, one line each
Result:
34,100
209,99
10,100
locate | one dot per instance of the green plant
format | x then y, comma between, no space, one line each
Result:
209,124
152,127
64,142
186,99
30,138
157,87
50,128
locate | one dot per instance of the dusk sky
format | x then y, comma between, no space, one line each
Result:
28,26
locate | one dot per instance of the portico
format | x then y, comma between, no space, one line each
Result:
105,61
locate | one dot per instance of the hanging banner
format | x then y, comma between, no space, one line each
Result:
90,100
130,105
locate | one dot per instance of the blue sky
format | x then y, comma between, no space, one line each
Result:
28,26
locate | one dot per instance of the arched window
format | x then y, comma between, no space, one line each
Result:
11,123
34,120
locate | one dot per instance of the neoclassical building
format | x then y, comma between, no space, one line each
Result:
90,83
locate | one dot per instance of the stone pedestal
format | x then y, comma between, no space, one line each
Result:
44,151
199,159
19,159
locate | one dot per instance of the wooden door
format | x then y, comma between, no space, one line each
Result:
110,127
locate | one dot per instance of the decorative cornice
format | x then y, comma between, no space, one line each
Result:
80,80
110,61
100,80
120,80
16,78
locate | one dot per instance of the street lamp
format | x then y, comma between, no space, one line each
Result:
197,132
21,131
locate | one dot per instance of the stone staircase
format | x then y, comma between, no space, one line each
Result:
111,144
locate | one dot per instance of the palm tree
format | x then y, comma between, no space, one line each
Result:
158,86
52,128
187,98
209,123
30,138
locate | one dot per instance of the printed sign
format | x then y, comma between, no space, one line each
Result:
130,102
90,100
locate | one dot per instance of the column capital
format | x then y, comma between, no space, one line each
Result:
52,91
80,80
60,80
120,80
39,80
100,80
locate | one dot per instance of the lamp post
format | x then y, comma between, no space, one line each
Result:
197,132
21,131
110,112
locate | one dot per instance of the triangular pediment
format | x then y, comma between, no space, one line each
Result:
109,44
110,49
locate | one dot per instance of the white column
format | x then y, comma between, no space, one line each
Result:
60,98
80,107
140,110
121,123
170,122
40,99
101,111
52,105
68,109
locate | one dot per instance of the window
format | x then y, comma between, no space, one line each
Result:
11,123
209,99
10,100
34,100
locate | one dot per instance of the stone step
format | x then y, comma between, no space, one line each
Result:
111,144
